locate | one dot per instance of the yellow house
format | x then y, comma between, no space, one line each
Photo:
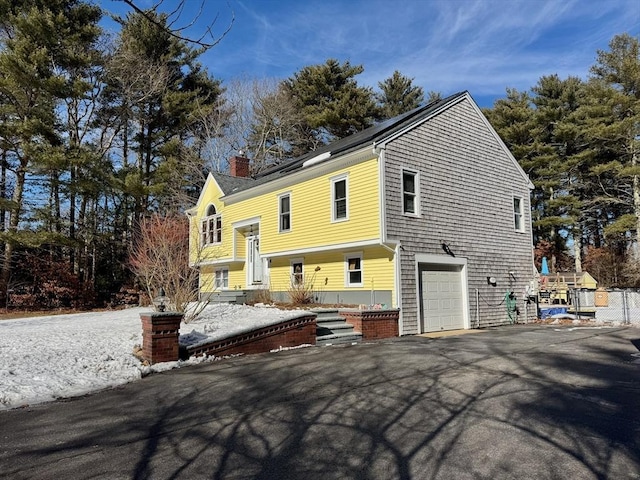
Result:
275,235
414,213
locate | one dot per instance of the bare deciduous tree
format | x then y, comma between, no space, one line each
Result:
257,118
160,258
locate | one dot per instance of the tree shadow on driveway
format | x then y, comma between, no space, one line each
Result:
511,403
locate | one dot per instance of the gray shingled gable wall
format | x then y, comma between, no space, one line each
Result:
467,184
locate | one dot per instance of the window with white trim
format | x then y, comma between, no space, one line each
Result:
518,214
297,272
339,198
284,212
353,266
211,227
410,192
221,278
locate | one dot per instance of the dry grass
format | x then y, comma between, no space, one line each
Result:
13,314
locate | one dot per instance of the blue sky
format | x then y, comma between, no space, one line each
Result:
481,46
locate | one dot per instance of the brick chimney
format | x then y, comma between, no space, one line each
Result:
239,166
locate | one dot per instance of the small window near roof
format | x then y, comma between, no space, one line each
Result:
284,212
409,192
339,194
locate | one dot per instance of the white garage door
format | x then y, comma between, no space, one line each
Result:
442,301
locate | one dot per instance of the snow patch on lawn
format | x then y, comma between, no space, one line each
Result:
58,356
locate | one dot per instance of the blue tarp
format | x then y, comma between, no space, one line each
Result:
549,312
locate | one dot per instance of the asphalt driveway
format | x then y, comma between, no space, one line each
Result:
515,402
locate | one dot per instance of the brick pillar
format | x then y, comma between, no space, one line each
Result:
373,324
160,331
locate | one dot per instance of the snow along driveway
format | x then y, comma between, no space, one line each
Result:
44,358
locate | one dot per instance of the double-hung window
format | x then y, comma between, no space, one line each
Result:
211,227
518,214
284,212
339,198
353,266
297,273
410,197
222,278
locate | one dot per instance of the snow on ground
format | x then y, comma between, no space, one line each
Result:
44,358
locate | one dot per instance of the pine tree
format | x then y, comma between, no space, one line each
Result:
28,90
398,95
331,102
155,87
562,173
611,123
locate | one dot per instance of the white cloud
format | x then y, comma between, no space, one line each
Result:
446,45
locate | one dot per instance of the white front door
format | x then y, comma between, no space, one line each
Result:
254,262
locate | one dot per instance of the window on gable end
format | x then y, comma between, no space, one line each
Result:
211,227
518,214
410,198
284,212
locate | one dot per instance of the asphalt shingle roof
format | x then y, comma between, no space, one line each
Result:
376,133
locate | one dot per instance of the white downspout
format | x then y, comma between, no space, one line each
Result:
380,151
381,190
477,308
398,286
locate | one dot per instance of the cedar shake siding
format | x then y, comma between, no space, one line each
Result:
467,183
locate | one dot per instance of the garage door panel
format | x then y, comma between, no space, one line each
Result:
442,299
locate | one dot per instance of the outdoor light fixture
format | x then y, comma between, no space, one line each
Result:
161,300
491,281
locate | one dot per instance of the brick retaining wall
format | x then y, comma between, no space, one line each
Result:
373,324
288,333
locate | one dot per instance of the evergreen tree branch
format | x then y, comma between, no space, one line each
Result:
175,31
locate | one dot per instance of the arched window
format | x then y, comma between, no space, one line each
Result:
211,227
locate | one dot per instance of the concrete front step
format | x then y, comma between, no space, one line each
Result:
227,296
335,325
338,338
332,329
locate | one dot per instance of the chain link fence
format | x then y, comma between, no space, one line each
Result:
611,306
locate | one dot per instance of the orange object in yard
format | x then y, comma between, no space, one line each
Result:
601,298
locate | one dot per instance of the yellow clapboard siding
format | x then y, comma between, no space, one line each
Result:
377,270
237,277
241,245
311,212
207,278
